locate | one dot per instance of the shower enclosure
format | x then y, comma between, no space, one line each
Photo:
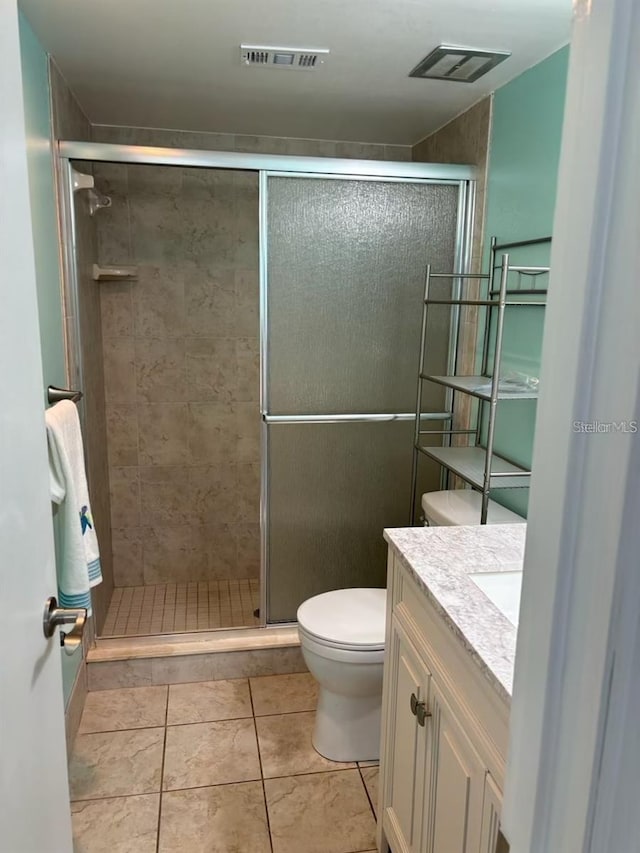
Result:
259,367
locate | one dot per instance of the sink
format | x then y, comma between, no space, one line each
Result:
503,589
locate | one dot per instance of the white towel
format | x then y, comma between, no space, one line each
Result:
79,566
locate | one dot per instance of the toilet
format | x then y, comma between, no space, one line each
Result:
342,636
463,507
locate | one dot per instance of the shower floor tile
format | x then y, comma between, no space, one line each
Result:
171,608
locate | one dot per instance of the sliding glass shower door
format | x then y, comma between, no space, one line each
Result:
343,284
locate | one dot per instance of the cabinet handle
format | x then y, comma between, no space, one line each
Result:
422,714
418,709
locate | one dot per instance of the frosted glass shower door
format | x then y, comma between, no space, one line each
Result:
343,293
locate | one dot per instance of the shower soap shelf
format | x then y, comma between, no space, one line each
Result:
101,273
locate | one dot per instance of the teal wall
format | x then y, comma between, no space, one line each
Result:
521,191
35,82
525,150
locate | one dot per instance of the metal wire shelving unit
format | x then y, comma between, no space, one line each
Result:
478,464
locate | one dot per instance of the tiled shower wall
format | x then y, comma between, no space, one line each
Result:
181,372
465,139
249,144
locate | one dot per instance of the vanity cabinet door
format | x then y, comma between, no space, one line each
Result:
491,810
455,819
407,747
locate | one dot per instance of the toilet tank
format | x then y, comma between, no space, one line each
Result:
463,506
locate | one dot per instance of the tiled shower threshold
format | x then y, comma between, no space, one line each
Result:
196,643
183,655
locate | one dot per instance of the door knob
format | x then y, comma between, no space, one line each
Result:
55,616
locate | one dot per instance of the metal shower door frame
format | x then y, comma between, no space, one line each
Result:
67,227
266,165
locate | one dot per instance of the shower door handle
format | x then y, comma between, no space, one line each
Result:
55,616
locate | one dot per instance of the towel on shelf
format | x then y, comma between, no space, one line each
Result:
79,565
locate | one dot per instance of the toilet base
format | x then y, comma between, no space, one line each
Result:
347,728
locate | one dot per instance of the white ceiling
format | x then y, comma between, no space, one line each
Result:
175,63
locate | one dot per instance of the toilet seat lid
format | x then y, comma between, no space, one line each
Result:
346,617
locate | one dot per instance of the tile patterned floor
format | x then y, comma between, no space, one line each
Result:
171,608
214,767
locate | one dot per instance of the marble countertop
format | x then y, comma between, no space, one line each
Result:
440,560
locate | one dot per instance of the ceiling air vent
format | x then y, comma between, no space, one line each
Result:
288,58
459,64
253,56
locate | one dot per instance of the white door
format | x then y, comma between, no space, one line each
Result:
34,799
578,656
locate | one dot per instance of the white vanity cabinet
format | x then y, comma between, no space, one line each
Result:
454,822
444,733
406,739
